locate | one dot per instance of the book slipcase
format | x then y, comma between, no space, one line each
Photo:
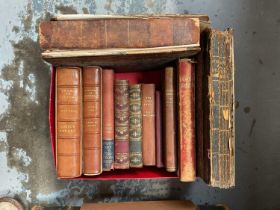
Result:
144,65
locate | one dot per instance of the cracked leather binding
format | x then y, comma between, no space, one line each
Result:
219,119
149,129
107,119
169,121
119,33
121,124
68,122
135,126
186,113
92,143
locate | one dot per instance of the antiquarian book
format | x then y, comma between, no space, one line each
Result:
107,119
120,33
186,113
159,143
135,126
121,124
68,122
169,119
219,106
141,205
92,151
149,125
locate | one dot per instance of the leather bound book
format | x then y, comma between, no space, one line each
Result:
219,118
120,32
92,143
186,112
149,125
169,121
159,144
107,119
121,124
135,126
68,122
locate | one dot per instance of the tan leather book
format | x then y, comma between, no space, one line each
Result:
120,33
149,126
68,122
142,205
186,113
107,119
92,152
169,119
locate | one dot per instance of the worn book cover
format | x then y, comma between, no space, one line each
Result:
219,134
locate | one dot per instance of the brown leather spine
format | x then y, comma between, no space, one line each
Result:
107,119
186,112
92,120
169,121
159,144
68,122
119,33
148,117
121,124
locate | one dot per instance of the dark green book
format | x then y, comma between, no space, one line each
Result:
135,126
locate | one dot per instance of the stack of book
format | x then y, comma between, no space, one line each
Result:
141,95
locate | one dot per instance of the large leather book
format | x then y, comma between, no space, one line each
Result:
107,119
68,122
159,139
149,125
121,95
169,119
219,109
119,33
135,126
92,151
142,205
186,113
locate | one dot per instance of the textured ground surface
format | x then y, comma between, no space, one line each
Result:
26,167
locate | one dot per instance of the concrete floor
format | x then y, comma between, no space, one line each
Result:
26,167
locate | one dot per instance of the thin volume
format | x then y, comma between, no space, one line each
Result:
68,122
92,120
121,124
169,121
107,119
159,143
135,126
186,112
149,126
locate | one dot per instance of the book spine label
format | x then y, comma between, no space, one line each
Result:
159,144
148,117
92,120
135,126
121,124
68,122
186,112
107,119
169,111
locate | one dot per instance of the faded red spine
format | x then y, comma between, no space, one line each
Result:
186,89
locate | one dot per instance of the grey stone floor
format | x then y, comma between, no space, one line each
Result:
26,167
